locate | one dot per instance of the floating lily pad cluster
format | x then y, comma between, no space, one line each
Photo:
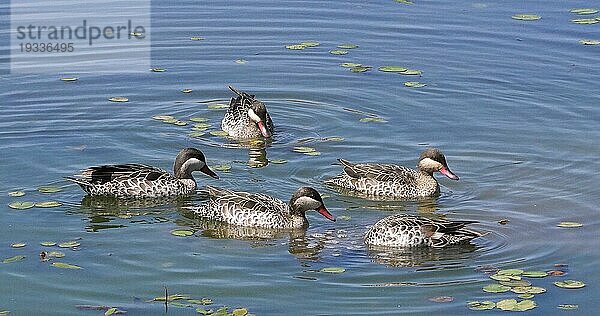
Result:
186,301
526,17
46,256
169,119
514,280
585,12
23,205
404,71
307,150
303,45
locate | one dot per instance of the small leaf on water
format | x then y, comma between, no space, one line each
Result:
534,274
18,245
110,311
528,290
480,306
49,189
589,42
118,99
583,11
496,288
313,153
240,61
199,119
164,117
63,265
13,259
350,65
513,283
411,72
526,296
21,205
173,297
569,284
222,167
179,123
303,149
278,161
499,277
333,270
334,139
197,38
178,304
217,106
310,44
511,272
69,79
569,224
414,84
158,69
392,69
585,21
186,90
196,134
16,193
48,243
219,133
204,311
201,126
203,301
295,47
526,17
182,232
69,244
347,46
406,2
338,52
47,204
372,120
55,254
568,306
524,305
507,305
360,68
441,299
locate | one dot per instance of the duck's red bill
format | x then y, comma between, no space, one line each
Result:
209,172
323,211
263,129
445,171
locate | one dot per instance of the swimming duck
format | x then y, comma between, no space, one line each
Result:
403,230
141,181
392,180
260,210
246,117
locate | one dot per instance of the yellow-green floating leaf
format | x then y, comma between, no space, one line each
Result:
49,189
69,79
55,254
313,153
278,161
217,106
303,149
411,72
334,139
118,99
47,204
589,42
414,84
21,205
516,283
196,134
48,243
239,312
585,21
347,46
310,44
295,47
525,296
240,61
569,284
110,311
164,118
496,288
203,301
569,224
173,297
201,126
360,68
406,2
480,306
63,265
158,69
16,193
526,17
392,69
583,11
182,232
568,306
510,272
13,259
333,270
528,290
534,274
338,52
222,167
186,90
199,119
350,65
219,133
18,245
69,244
372,120
197,38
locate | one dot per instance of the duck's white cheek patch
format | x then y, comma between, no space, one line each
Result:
253,116
308,203
429,163
193,164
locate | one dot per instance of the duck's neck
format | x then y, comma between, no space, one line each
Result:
298,218
184,173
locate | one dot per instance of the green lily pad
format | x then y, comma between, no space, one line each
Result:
406,2
18,245
201,126
338,52
411,72
182,232
569,224
372,120
173,297
333,270
110,311
278,161
21,205
507,305
524,305
197,38
47,204
164,118
534,274
203,301
240,61
303,149
199,119
334,139
158,69
528,290
589,42
392,69
360,68
569,284
313,153
526,17
499,277
217,106
295,47
513,283
63,265
347,46
16,193
496,288
196,134
219,133
583,11
69,244
69,79
480,306
118,99
585,21
350,65
49,189
56,254
526,296
48,243
179,123
568,306
239,312
414,84
222,167
510,272
204,311
186,90
310,44
13,259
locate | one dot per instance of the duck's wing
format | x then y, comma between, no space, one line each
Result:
243,99
108,173
246,200
378,172
443,232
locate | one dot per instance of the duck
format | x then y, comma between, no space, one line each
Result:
394,181
144,181
261,210
246,117
403,230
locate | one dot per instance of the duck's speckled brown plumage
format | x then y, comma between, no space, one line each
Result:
257,210
403,230
236,121
394,181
